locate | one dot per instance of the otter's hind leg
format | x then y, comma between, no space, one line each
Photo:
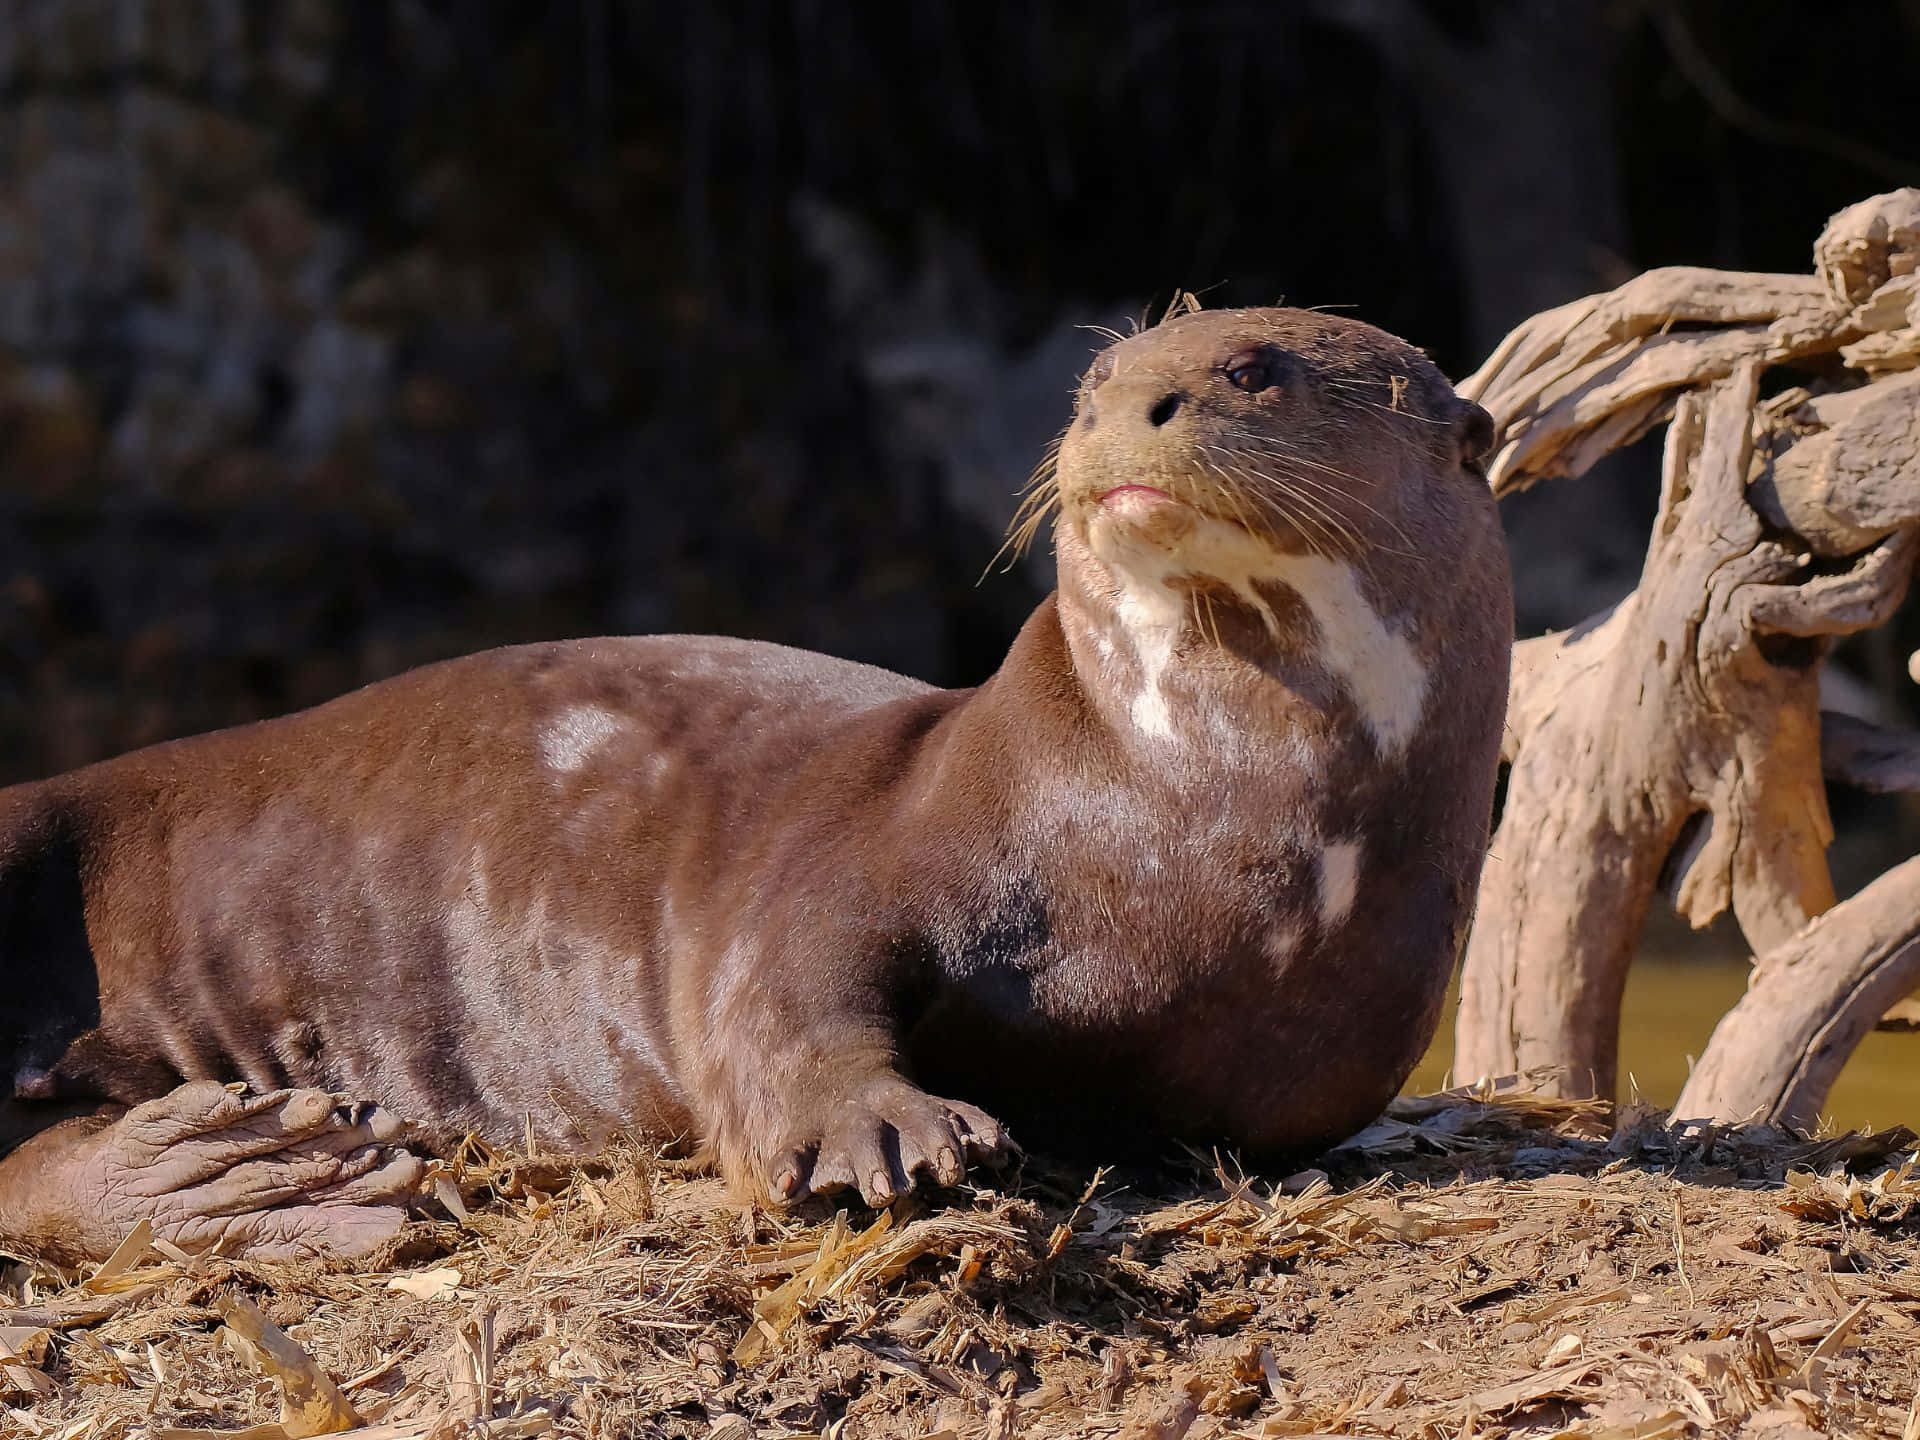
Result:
269,1176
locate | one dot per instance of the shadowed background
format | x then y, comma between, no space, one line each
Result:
338,336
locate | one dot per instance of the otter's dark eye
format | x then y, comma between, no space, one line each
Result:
1252,371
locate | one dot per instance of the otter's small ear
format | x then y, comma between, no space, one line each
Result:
1473,433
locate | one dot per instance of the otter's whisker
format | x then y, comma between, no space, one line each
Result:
1322,505
1336,537
1323,529
1333,491
1360,392
1230,485
1213,620
1320,502
1238,493
1322,532
1330,520
1039,499
1331,497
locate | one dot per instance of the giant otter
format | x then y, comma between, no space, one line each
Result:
1196,861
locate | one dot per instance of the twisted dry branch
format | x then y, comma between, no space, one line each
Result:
1677,740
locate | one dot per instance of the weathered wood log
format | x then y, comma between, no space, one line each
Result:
1678,737
1881,761
1848,482
1663,719
1862,246
1615,356
1776,1054
1616,361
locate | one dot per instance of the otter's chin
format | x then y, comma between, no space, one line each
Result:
1174,543
1133,518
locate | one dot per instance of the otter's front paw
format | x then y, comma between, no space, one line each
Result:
882,1137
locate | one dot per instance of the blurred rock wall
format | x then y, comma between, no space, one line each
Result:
301,384
341,335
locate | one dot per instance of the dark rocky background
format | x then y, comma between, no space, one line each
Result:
339,335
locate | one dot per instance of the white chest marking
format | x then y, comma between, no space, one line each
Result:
1377,665
1152,616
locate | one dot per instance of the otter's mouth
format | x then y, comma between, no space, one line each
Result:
1133,499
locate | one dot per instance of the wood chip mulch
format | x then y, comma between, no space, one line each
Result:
1473,1265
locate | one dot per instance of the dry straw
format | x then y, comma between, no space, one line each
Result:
1482,1263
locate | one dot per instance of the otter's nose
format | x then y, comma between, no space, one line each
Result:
1163,409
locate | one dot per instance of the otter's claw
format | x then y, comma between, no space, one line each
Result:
883,1138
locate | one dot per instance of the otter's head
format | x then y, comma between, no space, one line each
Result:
1261,459
1219,437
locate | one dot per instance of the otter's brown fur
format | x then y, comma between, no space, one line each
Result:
1196,861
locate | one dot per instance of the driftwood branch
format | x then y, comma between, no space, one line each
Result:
1776,1054
1677,740
1607,368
